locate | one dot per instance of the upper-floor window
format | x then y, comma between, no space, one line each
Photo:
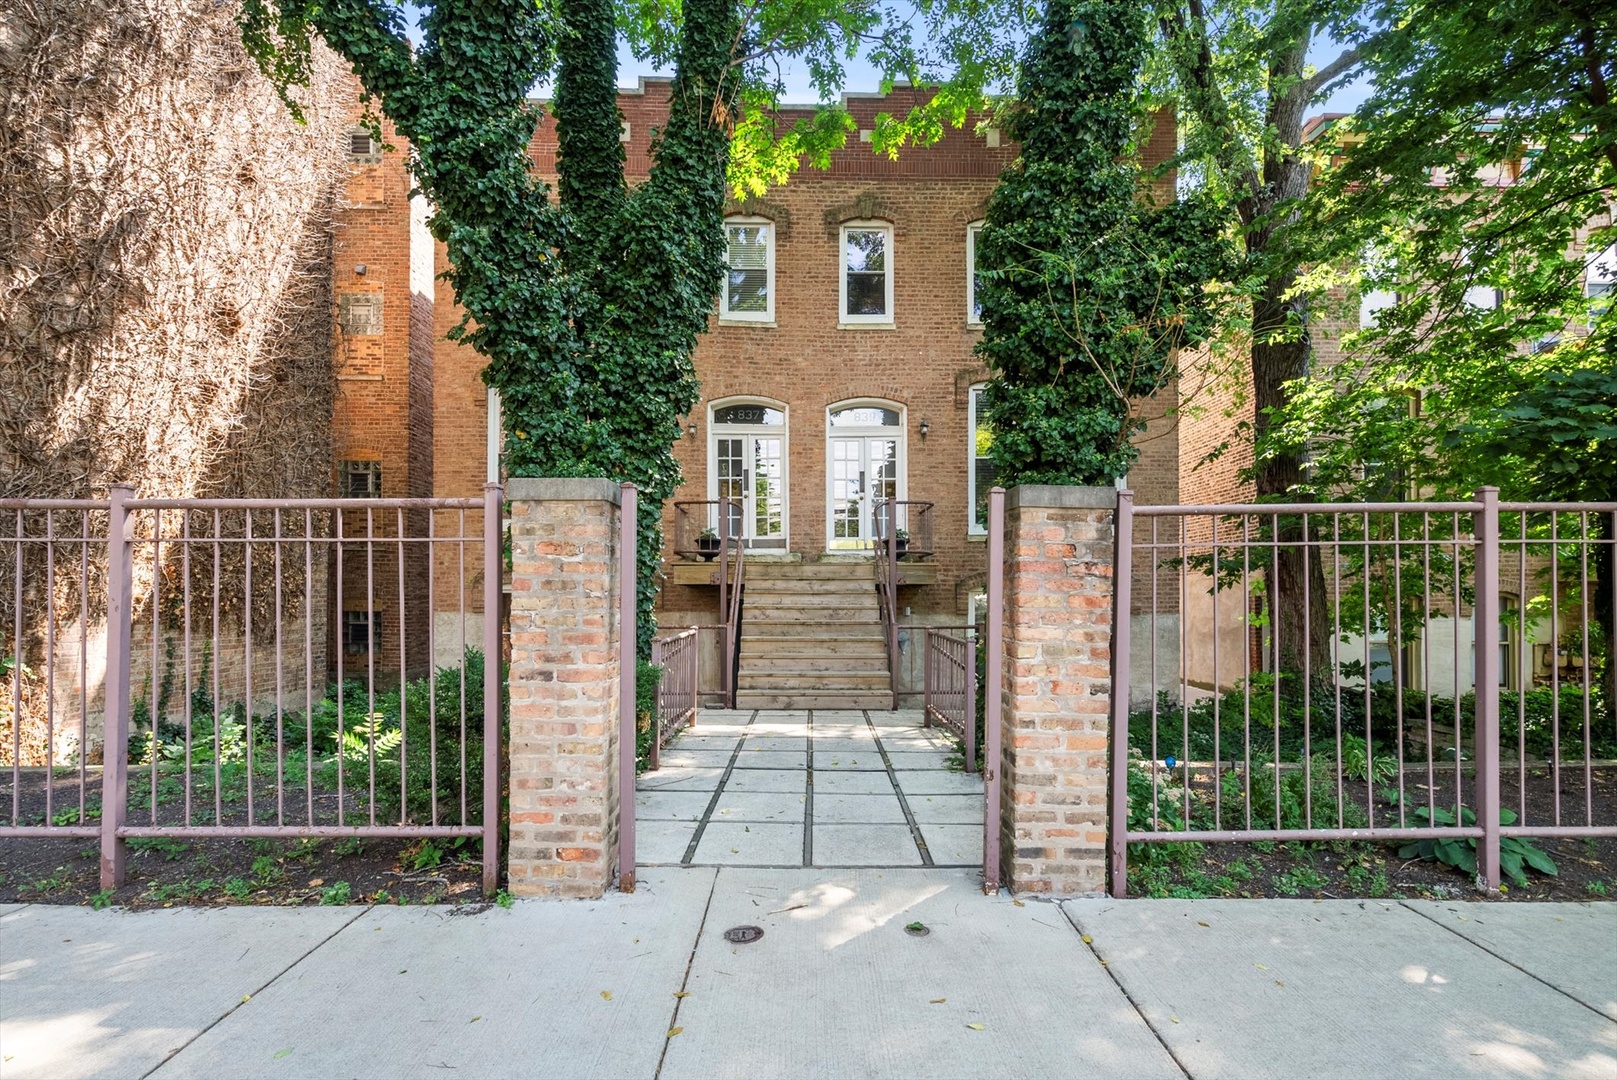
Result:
867,273
748,294
980,472
974,306
1372,302
1600,282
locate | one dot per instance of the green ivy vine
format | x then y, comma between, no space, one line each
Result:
1087,289
587,306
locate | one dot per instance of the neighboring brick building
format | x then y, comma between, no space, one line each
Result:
804,387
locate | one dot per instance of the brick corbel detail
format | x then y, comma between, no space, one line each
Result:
1058,627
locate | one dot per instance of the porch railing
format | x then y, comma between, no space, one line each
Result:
903,530
1386,671
710,529
949,687
251,668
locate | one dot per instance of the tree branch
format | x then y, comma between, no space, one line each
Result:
1344,63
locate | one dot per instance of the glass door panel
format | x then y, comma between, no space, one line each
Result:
766,526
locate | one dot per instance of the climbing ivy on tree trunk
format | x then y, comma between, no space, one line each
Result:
587,307
1087,289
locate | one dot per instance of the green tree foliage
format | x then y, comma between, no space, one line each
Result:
1475,189
1086,288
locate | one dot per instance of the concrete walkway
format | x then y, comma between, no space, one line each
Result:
825,788
647,986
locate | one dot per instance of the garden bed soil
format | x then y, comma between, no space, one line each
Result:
165,871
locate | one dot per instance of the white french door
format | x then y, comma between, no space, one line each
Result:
751,467
863,470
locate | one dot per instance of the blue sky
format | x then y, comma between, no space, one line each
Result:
863,76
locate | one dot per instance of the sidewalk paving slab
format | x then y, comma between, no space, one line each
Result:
836,988
1289,988
113,993
432,992
1548,941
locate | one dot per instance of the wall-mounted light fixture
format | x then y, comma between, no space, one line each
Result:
693,429
359,270
926,427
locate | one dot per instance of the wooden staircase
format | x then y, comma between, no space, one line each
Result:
811,638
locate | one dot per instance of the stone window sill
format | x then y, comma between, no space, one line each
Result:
762,324
866,326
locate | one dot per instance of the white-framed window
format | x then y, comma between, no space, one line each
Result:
980,472
1600,282
748,290
974,307
865,284
1372,302
1485,297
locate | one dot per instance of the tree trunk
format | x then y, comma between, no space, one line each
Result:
1281,351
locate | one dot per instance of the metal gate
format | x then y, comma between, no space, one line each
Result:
1400,672
269,668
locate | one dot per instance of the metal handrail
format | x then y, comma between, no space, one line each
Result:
731,551
677,688
949,688
887,597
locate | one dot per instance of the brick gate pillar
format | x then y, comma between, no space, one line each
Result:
564,686
1057,695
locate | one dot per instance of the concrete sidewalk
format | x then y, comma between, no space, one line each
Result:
646,985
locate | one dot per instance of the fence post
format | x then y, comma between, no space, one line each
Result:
1122,606
493,683
926,677
971,702
695,669
629,651
1485,632
993,706
115,732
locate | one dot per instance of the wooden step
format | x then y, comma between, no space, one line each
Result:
789,586
861,602
816,666
807,682
786,648
757,625
824,699
820,571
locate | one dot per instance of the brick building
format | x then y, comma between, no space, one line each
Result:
838,368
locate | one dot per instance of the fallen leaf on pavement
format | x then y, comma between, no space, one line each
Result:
606,995
975,1027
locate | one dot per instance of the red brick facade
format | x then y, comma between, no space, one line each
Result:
804,360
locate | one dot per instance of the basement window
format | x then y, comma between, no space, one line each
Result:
357,637
362,148
360,480
359,314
